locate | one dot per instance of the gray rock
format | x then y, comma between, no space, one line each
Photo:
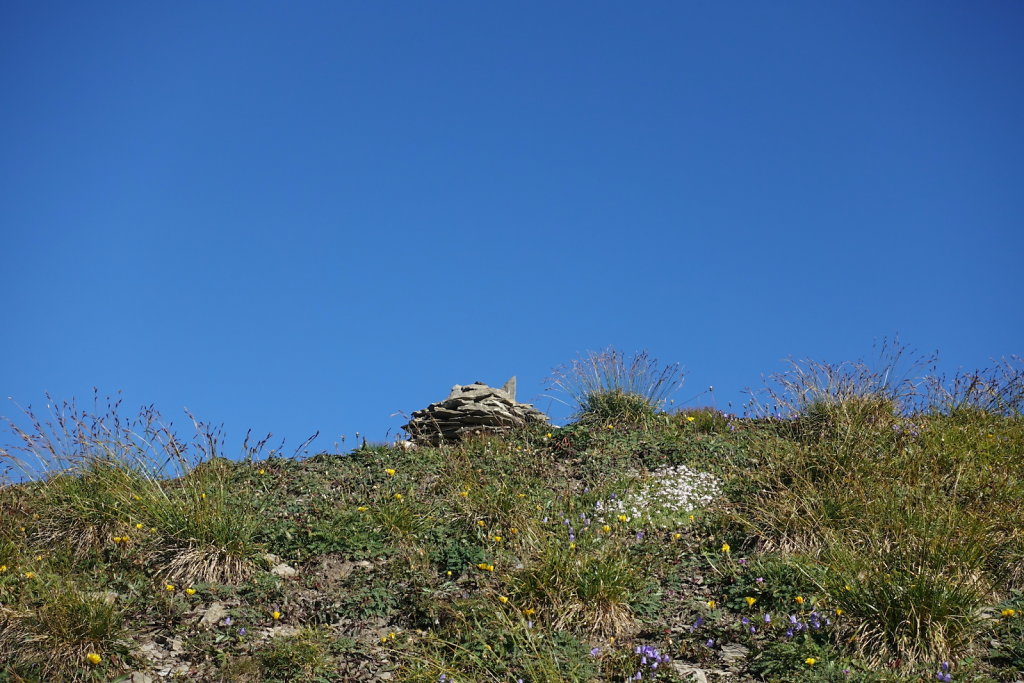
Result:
689,672
213,615
284,571
734,652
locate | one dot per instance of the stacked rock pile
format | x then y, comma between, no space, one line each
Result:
471,409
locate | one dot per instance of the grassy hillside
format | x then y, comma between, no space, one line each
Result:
859,530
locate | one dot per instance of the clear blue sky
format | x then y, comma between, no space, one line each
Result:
302,216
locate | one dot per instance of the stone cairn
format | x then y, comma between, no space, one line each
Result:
471,409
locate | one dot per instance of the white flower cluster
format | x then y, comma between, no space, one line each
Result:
665,500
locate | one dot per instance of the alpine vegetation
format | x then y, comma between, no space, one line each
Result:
864,529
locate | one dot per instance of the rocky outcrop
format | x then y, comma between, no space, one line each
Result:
471,409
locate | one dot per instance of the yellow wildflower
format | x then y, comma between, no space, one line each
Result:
398,496
690,418
502,599
497,539
464,494
94,658
839,612
572,546
3,568
390,472
810,661
190,591
528,611
139,525
513,530
30,575
548,435
275,615
1008,612
520,495
676,536
750,601
362,508
711,604
725,548
261,471
606,529
481,522
169,587
609,426
623,518
799,600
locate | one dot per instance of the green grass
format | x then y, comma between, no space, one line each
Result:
871,526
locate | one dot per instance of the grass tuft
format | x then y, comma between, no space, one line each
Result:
610,385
